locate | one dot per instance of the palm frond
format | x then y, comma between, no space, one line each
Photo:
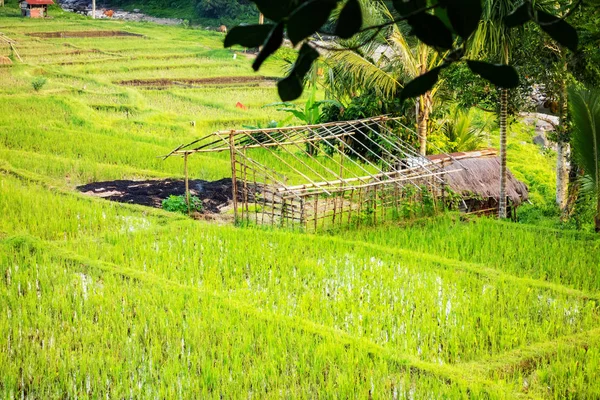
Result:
462,131
351,72
585,112
492,38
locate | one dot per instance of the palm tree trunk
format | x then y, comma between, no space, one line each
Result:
424,104
502,209
562,165
423,121
562,176
503,123
597,218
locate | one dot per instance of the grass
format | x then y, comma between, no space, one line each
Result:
103,299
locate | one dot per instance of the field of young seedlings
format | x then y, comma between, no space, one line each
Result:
102,299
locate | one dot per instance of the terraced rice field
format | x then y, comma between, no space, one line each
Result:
102,299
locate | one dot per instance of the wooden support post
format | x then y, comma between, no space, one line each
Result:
375,207
245,194
233,176
255,197
302,216
93,9
360,202
351,207
273,208
316,213
383,203
187,183
334,206
264,202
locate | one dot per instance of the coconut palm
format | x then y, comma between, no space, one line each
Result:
493,40
383,65
463,132
585,112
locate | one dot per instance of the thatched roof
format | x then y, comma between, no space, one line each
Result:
481,176
5,61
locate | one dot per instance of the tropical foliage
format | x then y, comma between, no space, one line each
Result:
585,110
463,132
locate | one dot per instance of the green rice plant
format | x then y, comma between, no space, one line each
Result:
38,83
102,299
93,333
179,204
567,258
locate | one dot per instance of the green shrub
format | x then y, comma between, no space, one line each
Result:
38,83
178,204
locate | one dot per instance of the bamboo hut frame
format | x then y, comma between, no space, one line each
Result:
361,178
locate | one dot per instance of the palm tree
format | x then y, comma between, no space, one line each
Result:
585,112
493,39
384,65
463,132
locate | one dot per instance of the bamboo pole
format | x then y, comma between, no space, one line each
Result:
264,201
187,185
375,207
233,177
301,162
244,171
14,49
316,211
387,182
273,209
204,149
351,207
345,181
255,197
360,203
299,127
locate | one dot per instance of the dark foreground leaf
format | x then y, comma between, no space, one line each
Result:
248,36
274,10
350,20
274,41
290,88
518,17
559,30
464,16
503,76
431,30
420,85
409,6
308,18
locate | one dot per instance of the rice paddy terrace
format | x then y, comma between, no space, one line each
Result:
101,299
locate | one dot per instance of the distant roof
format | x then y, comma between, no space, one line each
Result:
39,2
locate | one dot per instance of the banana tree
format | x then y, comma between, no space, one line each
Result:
310,114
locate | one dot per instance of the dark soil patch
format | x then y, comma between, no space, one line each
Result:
83,34
215,196
219,80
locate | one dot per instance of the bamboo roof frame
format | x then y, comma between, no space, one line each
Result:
384,159
330,133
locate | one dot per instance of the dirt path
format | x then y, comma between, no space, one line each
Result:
187,82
